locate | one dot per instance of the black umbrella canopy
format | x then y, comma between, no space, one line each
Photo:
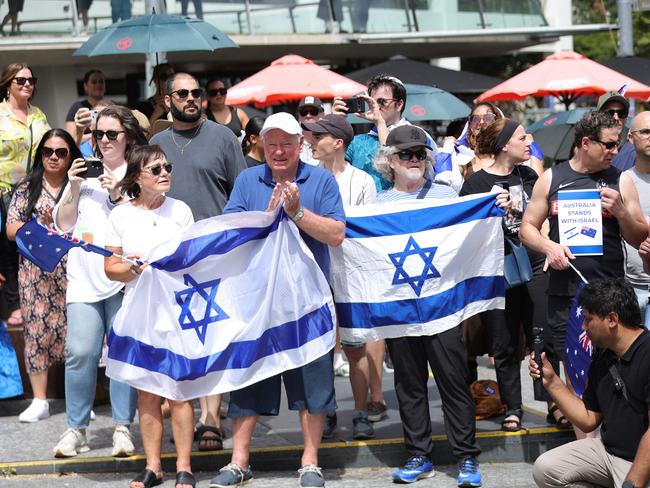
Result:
410,71
633,66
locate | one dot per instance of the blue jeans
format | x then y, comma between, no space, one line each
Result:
87,324
120,10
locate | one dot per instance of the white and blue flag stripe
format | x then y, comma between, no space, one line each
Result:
238,298
417,267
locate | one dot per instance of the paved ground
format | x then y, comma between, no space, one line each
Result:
504,475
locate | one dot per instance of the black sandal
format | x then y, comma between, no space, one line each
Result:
562,422
517,412
185,478
148,479
216,438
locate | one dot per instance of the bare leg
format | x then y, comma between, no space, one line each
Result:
210,416
182,414
151,428
357,357
242,432
39,385
312,432
375,353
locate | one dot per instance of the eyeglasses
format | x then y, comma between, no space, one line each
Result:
487,118
607,145
60,152
408,155
21,80
157,169
383,102
213,92
183,93
313,111
643,132
621,112
111,134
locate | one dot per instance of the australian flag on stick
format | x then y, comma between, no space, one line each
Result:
579,348
45,246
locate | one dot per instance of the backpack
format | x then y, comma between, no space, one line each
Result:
487,399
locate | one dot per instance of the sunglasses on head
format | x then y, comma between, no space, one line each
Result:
405,155
213,92
305,111
621,112
183,93
489,118
157,169
111,134
382,102
607,145
60,152
21,80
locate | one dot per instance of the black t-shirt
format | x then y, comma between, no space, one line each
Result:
520,182
76,106
250,161
624,422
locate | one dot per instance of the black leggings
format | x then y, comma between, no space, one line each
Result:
8,264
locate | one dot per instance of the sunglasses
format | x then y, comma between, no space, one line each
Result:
309,111
60,152
488,118
621,112
643,132
383,102
183,93
157,169
111,134
408,155
607,145
213,92
21,80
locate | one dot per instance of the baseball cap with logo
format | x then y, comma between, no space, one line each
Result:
283,121
612,96
335,125
311,102
406,137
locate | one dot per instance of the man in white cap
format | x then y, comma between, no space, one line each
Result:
311,198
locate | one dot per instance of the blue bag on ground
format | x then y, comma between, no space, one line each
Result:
10,383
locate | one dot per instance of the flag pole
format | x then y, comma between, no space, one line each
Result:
584,280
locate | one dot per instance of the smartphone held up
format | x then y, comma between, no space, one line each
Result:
94,168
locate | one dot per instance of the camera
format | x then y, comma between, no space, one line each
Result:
94,168
355,104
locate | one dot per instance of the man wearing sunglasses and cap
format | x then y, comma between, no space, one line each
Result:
310,109
616,105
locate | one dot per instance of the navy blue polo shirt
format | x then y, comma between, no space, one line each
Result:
319,193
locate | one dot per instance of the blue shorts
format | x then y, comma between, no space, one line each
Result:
310,387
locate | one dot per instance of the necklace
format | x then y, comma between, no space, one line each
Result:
182,148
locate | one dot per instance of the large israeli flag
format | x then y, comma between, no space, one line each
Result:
238,299
417,267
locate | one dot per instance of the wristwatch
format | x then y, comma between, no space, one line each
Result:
297,217
627,484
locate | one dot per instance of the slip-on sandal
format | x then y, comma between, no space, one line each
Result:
148,479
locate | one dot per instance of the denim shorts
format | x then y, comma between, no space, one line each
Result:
310,387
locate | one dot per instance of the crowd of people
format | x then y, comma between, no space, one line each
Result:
185,156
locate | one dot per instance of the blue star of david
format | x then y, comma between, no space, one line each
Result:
213,312
429,271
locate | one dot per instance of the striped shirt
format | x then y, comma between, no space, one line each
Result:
436,191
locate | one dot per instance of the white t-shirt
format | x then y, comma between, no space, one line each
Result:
87,282
356,186
138,231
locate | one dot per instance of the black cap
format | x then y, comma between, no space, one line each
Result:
311,102
407,136
335,125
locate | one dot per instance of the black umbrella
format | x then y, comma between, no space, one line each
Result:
633,66
410,71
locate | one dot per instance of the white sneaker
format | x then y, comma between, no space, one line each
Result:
37,410
92,415
342,369
122,442
71,443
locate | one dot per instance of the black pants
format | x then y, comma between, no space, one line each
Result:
447,356
8,263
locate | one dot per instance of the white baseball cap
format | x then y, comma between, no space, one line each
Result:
283,121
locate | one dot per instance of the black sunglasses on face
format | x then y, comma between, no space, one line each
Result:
607,145
21,80
407,155
157,169
309,111
213,92
183,93
621,112
60,152
385,101
111,134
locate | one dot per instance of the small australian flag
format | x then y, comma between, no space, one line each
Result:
579,348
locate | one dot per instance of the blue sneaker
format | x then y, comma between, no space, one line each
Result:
469,473
416,468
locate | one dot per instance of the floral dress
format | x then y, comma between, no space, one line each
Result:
42,294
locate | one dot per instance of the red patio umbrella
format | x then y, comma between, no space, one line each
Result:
289,79
566,75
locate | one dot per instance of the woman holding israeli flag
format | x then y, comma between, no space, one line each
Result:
148,219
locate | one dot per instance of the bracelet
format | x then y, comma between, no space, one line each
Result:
114,202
